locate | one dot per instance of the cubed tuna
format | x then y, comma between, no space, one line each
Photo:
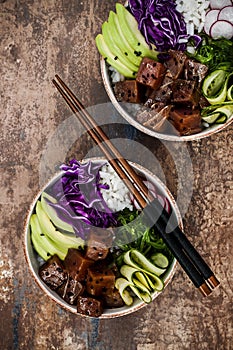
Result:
99,281
128,91
175,63
163,94
150,73
70,290
194,71
53,273
98,244
185,120
185,92
77,264
113,299
89,306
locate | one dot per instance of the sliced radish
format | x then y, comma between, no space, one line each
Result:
150,186
221,29
219,4
210,18
226,14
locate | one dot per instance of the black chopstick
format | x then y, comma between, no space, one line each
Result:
176,240
190,260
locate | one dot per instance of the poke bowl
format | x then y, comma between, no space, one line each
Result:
167,66
87,247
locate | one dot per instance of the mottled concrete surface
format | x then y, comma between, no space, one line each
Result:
39,39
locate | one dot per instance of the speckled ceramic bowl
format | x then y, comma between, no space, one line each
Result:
128,115
33,263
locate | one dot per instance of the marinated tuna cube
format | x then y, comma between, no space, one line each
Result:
98,244
150,73
185,92
70,290
175,63
203,102
99,281
163,94
146,114
76,264
89,306
185,120
53,272
113,299
158,120
194,71
128,91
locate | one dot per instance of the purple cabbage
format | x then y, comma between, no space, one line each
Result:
160,23
79,200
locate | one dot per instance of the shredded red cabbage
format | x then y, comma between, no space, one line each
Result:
160,23
79,200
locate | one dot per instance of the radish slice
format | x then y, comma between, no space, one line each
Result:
210,18
221,29
226,14
219,4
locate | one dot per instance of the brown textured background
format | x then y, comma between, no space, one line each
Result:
39,39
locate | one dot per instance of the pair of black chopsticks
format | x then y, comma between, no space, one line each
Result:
193,264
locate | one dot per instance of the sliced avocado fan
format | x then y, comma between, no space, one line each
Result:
121,43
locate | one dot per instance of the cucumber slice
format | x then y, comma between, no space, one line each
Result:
144,296
160,260
210,119
136,259
230,93
141,277
213,82
215,87
221,120
141,286
128,272
219,115
121,284
155,282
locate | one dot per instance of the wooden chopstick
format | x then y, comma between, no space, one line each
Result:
193,264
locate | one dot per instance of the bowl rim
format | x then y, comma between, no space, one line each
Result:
203,134
115,312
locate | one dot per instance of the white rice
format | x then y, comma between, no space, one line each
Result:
115,75
194,13
117,196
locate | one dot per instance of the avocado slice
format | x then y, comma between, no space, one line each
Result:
42,244
130,29
114,48
51,212
43,253
111,59
120,39
60,239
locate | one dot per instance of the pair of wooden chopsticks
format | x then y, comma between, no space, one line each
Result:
193,264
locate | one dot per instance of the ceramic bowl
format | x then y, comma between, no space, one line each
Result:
33,262
127,111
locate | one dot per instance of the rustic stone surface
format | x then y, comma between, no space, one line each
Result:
39,39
